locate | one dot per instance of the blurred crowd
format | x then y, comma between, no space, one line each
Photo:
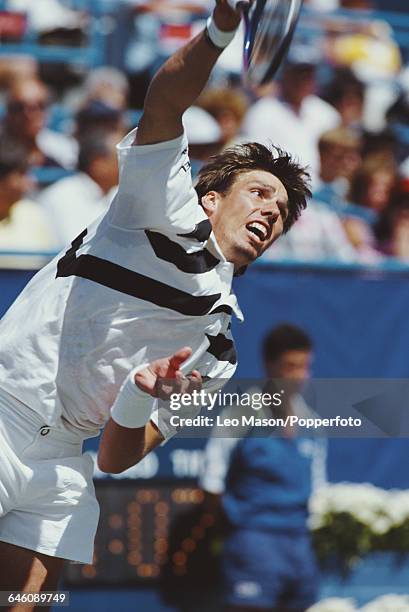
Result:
340,104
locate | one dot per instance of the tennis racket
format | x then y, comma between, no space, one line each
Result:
269,26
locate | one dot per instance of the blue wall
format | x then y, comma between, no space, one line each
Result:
358,319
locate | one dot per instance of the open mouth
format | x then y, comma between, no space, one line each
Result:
259,230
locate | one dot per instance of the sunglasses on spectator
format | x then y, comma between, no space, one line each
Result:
20,107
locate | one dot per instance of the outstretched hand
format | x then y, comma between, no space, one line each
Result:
163,377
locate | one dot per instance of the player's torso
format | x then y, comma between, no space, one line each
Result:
106,305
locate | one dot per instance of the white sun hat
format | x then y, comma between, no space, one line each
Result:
201,128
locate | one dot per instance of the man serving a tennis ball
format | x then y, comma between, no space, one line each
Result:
141,296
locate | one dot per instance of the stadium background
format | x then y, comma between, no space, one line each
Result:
356,313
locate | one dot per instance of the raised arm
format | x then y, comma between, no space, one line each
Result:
180,81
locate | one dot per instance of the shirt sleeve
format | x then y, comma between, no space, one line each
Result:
155,187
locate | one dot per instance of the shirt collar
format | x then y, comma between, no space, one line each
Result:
212,246
226,273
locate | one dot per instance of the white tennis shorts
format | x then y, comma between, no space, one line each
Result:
47,497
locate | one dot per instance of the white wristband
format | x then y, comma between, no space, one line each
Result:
132,407
219,38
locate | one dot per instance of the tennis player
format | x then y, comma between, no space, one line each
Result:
142,295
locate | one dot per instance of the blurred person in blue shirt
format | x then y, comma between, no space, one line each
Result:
264,484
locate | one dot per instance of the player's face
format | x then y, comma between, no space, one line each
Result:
293,366
250,217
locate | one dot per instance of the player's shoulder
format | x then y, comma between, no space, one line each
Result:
129,145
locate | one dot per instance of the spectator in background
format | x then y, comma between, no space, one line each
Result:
367,47
109,85
399,243
99,115
346,93
25,122
374,185
75,201
263,485
228,107
23,223
392,230
297,117
47,16
379,148
361,236
340,158
104,101
14,67
372,190
398,119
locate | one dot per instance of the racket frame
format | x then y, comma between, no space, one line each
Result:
251,18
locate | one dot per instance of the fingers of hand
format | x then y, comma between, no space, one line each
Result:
177,359
167,366
194,382
165,387
157,378
180,384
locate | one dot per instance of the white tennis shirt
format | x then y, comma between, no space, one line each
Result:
143,281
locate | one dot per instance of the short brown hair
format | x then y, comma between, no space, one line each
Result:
340,137
285,337
221,171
